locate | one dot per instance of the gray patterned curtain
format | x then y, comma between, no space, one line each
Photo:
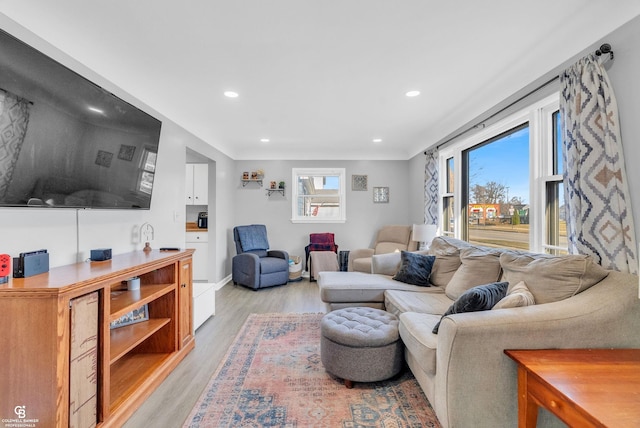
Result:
431,212
14,117
598,205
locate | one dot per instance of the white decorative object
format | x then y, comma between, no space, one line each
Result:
146,234
424,234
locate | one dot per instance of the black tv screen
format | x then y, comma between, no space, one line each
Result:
65,142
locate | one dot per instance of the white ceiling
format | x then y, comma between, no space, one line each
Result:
321,79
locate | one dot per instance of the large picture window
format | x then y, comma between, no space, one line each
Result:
318,195
507,191
497,206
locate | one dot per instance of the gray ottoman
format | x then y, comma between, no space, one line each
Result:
361,345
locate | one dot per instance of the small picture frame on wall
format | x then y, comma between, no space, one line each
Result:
358,182
126,152
381,195
104,158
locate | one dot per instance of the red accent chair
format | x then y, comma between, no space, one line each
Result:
319,242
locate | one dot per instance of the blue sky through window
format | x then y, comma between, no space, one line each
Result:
504,161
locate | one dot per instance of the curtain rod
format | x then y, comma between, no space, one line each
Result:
605,48
478,125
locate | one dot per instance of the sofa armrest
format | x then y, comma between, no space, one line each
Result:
358,254
472,372
245,268
281,254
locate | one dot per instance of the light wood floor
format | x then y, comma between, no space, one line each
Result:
170,404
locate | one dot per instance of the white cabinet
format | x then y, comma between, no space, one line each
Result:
204,302
199,241
197,184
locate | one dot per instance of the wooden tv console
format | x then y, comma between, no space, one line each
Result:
61,362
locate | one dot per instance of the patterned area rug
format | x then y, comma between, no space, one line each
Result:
272,377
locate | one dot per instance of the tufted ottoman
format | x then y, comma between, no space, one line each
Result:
361,345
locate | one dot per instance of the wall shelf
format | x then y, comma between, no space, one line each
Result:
255,180
271,191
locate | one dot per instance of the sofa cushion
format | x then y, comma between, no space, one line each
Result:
415,332
551,278
479,265
435,302
386,264
414,268
359,287
447,252
517,296
480,298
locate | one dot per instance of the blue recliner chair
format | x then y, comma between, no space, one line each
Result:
255,266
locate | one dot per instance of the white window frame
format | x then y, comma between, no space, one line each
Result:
297,172
538,115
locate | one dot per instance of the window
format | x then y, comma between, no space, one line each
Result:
497,197
318,195
507,190
448,227
556,237
147,171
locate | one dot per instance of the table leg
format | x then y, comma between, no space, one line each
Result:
527,407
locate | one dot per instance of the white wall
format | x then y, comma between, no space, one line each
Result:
363,216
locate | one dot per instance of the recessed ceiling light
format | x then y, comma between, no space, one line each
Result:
412,93
231,94
96,110
377,140
264,140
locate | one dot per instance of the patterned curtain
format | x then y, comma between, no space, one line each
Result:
431,213
598,205
14,117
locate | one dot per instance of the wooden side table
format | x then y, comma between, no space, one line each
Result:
582,387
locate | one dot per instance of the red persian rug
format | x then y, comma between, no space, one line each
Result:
272,377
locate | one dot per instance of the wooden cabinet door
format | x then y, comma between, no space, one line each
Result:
185,299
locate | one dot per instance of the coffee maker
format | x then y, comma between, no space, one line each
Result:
203,220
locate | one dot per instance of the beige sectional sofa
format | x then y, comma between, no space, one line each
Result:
462,369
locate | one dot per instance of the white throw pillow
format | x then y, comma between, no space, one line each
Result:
517,296
386,264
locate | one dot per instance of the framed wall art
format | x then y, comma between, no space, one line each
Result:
358,182
104,158
126,152
381,195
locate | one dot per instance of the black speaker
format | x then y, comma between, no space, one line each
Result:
100,254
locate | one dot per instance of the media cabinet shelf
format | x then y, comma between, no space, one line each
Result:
130,375
124,301
124,339
79,370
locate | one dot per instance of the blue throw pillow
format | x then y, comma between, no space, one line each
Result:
415,268
478,298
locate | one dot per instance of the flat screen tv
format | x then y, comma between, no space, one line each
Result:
65,142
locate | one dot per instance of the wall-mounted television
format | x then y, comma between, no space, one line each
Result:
65,142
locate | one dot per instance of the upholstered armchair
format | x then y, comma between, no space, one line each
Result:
389,239
256,266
